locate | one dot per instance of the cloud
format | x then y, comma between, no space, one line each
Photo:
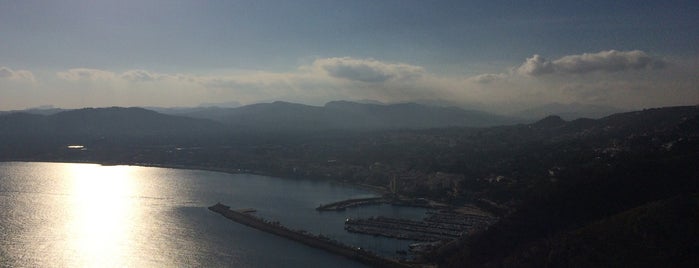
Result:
5,72
78,74
536,65
604,61
17,75
137,75
367,70
140,76
488,78
348,78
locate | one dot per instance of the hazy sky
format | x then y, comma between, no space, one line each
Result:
496,54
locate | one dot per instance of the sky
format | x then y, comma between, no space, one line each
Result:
491,55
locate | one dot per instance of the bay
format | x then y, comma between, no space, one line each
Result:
88,215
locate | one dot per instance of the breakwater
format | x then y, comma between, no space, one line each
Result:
356,202
306,238
349,203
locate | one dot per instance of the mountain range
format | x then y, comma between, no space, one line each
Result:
263,117
360,115
569,111
344,115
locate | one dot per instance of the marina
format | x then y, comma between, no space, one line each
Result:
316,241
442,225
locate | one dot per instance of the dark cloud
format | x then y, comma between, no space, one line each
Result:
605,61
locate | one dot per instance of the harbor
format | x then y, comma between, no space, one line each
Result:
316,241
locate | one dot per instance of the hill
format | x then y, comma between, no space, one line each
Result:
661,233
590,171
102,124
569,111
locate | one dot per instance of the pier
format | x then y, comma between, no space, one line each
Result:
356,202
308,239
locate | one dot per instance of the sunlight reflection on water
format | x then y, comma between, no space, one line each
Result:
101,213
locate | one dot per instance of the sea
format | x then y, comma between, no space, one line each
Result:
89,215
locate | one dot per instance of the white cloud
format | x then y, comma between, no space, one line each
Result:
16,75
347,78
78,74
488,78
140,76
136,75
604,61
536,65
5,72
367,70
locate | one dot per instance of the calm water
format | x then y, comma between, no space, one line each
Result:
84,215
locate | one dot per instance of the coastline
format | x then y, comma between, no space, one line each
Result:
379,191
373,189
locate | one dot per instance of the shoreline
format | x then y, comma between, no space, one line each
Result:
372,189
378,190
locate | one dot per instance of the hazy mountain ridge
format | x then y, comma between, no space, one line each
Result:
345,115
359,115
93,123
277,117
48,110
569,111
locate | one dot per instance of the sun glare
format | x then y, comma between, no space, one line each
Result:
102,208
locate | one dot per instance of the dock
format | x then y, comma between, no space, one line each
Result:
316,241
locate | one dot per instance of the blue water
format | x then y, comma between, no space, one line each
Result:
86,215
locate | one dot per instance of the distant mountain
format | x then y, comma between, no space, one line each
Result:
568,111
42,110
345,115
132,121
182,110
278,119
643,122
412,115
549,121
227,104
103,123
